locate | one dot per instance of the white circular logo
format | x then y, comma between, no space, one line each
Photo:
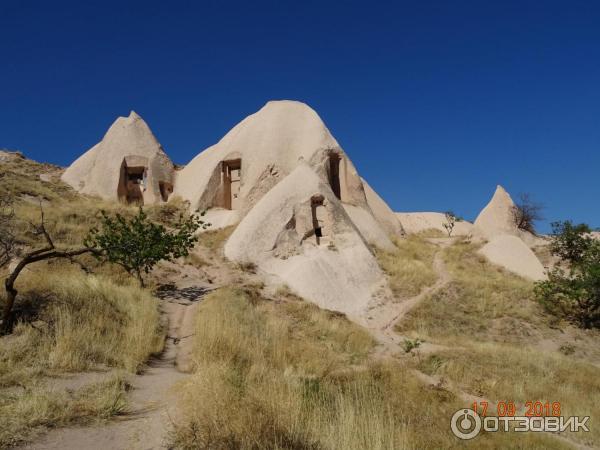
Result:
465,424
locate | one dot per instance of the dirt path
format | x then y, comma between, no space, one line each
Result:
151,401
381,319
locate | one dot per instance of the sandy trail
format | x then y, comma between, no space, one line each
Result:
381,319
151,401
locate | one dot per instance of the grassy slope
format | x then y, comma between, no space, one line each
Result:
280,373
73,322
498,341
409,266
283,374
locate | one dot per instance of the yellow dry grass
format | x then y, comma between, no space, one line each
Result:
29,411
410,266
214,240
285,375
79,322
76,323
481,302
508,373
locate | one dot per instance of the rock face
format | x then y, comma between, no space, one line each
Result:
304,216
514,255
497,218
260,151
416,222
382,212
300,232
127,165
508,246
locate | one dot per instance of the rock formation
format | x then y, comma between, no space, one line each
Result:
497,218
514,255
415,222
305,215
508,246
300,232
127,165
263,149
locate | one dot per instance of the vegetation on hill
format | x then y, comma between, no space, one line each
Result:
69,321
409,267
285,374
282,374
72,322
573,287
271,371
482,300
138,244
499,343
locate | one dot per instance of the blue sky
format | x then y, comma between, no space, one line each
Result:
436,102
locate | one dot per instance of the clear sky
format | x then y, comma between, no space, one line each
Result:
436,102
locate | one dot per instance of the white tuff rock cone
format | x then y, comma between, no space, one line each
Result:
129,164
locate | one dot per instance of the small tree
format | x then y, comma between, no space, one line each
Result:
451,220
137,244
573,287
526,213
49,251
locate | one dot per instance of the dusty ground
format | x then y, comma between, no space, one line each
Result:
146,425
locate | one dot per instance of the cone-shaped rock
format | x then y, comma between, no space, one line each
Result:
128,164
497,218
264,148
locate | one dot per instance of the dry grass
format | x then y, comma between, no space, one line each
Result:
432,233
70,322
215,239
25,413
286,375
509,373
482,302
497,331
79,322
75,323
410,266
20,178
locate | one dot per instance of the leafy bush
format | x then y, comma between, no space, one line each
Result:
138,244
573,287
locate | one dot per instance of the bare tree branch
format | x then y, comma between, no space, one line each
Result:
527,212
41,254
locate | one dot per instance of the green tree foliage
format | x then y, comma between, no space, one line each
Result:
138,244
573,286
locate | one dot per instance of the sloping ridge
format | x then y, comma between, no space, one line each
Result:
514,255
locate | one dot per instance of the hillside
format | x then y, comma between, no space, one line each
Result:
216,354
